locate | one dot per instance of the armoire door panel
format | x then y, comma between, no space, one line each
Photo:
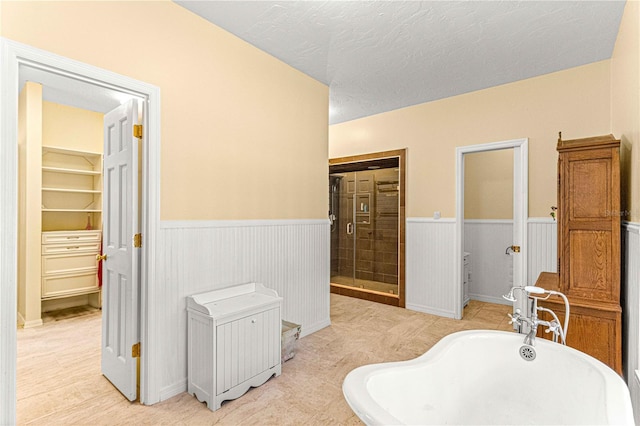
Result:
590,265
590,186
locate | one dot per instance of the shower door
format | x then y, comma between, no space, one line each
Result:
364,210
341,211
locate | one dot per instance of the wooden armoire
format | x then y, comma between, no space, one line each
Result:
589,247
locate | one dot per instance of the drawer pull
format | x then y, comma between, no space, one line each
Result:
73,248
100,257
253,321
73,238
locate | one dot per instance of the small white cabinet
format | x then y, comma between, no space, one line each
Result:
234,337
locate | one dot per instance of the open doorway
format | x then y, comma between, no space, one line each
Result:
488,223
64,191
17,58
60,150
509,263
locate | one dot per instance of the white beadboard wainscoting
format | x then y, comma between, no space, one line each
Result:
491,267
289,256
631,311
542,253
430,266
430,262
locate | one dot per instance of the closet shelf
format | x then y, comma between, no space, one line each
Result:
77,191
68,151
73,210
72,171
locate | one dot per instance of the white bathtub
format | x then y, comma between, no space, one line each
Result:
479,377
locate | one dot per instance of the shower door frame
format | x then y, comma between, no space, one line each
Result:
399,299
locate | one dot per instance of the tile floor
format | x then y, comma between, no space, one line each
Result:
59,380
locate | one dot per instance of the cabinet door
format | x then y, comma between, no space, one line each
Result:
590,229
246,347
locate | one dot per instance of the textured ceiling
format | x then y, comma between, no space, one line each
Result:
377,56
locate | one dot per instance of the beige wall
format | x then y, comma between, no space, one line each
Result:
29,200
74,128
244,136
625,106
488,185
574,101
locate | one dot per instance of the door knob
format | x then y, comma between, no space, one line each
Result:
512,249
100,257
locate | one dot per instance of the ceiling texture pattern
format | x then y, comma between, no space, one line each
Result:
378,56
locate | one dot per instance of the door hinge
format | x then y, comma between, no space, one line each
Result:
137,240
135,350
137,131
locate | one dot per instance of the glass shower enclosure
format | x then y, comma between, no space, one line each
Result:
364,215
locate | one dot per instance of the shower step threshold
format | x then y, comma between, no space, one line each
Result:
366,290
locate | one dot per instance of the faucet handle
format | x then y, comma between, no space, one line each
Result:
553,327
514,318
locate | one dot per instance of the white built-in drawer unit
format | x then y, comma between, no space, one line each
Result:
234,337
69,265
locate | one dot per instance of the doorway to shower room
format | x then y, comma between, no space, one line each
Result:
366,212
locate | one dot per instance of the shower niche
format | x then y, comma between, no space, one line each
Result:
365,215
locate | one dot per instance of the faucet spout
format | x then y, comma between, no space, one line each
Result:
530,338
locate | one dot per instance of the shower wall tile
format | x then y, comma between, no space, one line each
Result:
365,255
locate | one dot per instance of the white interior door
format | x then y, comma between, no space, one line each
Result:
120,278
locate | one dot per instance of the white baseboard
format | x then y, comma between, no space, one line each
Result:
428,310
489,299
315,327
173,390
